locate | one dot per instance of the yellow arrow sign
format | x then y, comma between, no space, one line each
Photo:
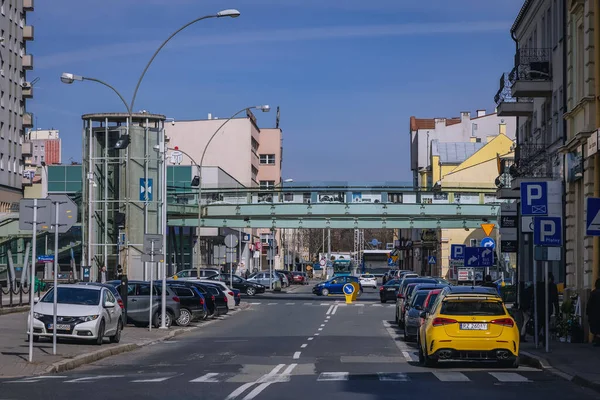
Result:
487,228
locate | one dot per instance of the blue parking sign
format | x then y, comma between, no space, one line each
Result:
547,231
457,251
534,198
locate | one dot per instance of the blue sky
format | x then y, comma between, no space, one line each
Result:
347,74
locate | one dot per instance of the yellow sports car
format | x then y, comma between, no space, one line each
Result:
468,323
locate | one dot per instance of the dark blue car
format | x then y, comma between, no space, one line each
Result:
335,285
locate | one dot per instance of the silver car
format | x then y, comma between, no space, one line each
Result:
264,278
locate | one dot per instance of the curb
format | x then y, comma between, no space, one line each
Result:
13,310
83,359
543,364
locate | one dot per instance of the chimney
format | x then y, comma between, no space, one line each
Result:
480,113
209,116
465,116
502,128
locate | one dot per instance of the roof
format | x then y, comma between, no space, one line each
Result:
521,15
455,152
429,123
471,290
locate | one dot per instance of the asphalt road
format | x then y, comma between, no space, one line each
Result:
291,346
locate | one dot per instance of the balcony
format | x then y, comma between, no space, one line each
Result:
27,61
27,90
28,32
27,120
27,5
26,149
532,75
515,108
508,106
532,161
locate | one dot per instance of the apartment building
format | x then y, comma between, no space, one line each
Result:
14,91
534,92
45,147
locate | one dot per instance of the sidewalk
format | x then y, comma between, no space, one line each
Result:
576,362
14,347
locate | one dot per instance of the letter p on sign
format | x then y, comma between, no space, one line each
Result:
547,229
534,192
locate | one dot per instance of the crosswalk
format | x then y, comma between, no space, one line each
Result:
316,303
322,377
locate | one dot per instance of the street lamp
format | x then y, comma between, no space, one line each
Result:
69,78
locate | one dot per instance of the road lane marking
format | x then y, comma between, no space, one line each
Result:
316,334
237,392
310,338
289,304
157,380
359,304
320,329
451,376
308,304
377,305
407,356
398,341
322,325
255,303
210,377
37,379
393,377
508,377
304,346
334,310
91,378
329,309
272,304
257,390
329,316
297,355
333,376
325,304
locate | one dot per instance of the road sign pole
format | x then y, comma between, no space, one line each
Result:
55,305
535,305
546,305
151,285
32,279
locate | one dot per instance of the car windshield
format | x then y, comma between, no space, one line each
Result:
72,295
393,282
472,307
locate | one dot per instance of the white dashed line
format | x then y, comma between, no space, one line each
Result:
310,338
322,325
304,346
289,304
329,309
316,334
334,310
329,316
320,329
272,304
297,355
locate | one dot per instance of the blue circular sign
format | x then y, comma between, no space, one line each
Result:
488,242
348,288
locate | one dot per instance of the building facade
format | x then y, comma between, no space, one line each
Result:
45,147
15,90
535,92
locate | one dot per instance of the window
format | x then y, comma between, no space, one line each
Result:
288,197
267,184
473,243
306,198
472,308
8,164
1,160
2,8
395,198
15,165
2,130
580,68
2,98
268,159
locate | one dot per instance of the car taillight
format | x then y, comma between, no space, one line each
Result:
381,288
231,294
504,322
121,304
212,298
443,321
176,299
201,301
239,295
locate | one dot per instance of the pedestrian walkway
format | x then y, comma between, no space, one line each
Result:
577,362
319,303
256,373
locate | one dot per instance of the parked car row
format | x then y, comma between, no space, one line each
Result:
94,311
453,322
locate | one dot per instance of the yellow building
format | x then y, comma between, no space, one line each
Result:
465,172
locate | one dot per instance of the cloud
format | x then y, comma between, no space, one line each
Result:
282,35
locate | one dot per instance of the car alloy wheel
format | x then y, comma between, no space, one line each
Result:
325,292
185,317
116,338
250,291
100,337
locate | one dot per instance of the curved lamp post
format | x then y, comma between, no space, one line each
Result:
263,108
69,78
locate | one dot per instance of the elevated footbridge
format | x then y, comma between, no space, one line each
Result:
334,205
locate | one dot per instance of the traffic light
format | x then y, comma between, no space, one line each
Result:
196,181
123,142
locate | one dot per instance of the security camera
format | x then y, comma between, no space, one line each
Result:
173,122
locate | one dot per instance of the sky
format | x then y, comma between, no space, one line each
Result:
347,74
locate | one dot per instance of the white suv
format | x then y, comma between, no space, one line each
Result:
83,312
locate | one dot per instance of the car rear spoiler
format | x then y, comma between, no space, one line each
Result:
473,297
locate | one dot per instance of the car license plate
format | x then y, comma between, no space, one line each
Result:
61,327
472,326
391,289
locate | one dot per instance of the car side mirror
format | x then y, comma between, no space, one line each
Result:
419,308
423,314
36,300
109,304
